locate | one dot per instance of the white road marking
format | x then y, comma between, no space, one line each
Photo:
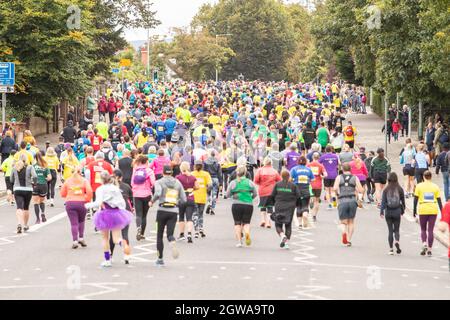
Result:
180,277
307,292
413,285
150,276
5,270
404,275
280,278
106,286
437,278
37,269
214,277
246,278
116,275
50,278
53,219
17,279
223,268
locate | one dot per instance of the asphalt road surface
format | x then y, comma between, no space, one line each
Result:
42,265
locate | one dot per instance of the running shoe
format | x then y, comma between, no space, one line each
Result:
106,264
52,203
208,209
175,252
139,235
283,242
26,228
424,251
248,240
43,218
75,245
286,246
391,252
159,263
88,216
19,229
38,221
429,253
330,207
213,213
189,239
344,238
268,226
126,259
202,234
315,219
181,238
262,224
239,244
82,243
349,244
196,235
397,246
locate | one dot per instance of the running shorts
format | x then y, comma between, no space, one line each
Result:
302,206
380,177
328,183
263,205
40,190
186,210
242,213
347,210
409,171
317,192
23,199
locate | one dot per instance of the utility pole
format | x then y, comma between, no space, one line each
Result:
409,121
420,120
4,110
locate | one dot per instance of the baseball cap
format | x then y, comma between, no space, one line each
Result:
167,170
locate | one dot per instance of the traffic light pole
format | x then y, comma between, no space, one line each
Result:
4,110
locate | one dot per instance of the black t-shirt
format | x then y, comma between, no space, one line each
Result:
125,165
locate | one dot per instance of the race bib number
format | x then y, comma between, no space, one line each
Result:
201,183
303,180
172,196
98,179
77,190
315,170
428,197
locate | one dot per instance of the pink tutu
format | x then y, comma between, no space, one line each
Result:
111,219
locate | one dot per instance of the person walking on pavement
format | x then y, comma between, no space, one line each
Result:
407,156
7,167
265,178
69,133
142,183
54,165
77,192
348,188
427,203
200,196
331,162
22,178
302,176
40,187
112,218
392,209
242,191
316,185
284,197
422,162
212,166
170,193
7,145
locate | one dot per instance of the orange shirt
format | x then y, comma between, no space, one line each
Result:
76,189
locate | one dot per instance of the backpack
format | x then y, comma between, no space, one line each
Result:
393,200
444,137
171,197
349,131
243,191
140,176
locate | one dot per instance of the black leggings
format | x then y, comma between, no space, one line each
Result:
394,229
141,207
124,237
164,219
370,187
287,229
52,185
303,206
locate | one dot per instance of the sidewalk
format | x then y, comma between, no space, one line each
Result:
370,136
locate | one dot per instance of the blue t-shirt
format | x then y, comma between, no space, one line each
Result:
302,176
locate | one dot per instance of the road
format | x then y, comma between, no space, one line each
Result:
41,264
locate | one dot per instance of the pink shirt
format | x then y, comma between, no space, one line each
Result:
143,190
266,178
361,173
158,164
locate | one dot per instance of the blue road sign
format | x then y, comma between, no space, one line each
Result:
115,70
7,74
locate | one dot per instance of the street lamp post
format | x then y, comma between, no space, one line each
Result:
217,37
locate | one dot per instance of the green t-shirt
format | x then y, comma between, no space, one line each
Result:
322,137
41,174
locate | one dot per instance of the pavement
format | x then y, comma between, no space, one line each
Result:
41,264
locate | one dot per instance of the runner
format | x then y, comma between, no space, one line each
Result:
320,173
200,196
113,217
142,183
187,209
302,176
40,187
349,134
170,194
7,168
379,169
284,196
330,161
22,177
392,209
348,188
242,191
427,203
407,156
265,178
77,192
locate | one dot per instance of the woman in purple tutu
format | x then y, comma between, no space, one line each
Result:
113,216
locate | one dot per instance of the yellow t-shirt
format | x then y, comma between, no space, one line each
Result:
185,115
203,179
349,138
25,152
141,140
52,162
427,192
70,164
215,120
326,112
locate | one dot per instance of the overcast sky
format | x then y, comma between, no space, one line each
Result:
171,13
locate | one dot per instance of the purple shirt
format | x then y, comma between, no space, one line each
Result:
188,183
292,159
331,163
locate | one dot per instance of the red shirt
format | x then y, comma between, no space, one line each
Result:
95,169
96,142
265,178
318,171
446,218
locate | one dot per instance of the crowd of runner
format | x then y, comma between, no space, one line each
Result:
182,146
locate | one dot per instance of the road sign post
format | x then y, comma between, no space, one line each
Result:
7,82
